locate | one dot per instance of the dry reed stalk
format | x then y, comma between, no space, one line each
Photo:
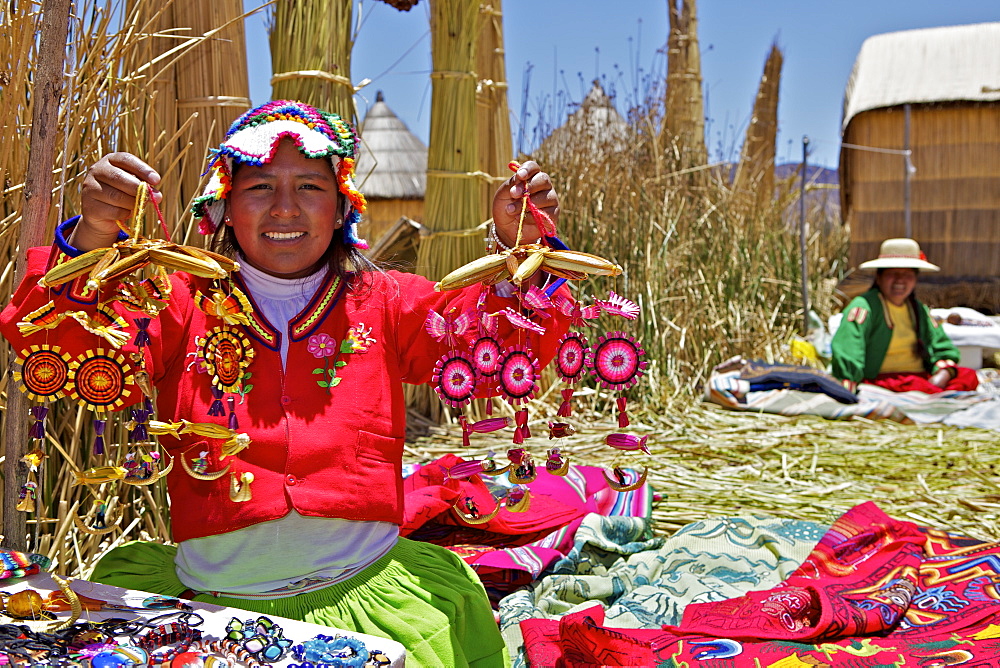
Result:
684,117
755,172
311,42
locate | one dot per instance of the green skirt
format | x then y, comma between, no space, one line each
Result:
420,595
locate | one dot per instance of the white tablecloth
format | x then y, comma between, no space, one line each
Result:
216,617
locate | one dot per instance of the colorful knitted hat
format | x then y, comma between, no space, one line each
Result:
253,140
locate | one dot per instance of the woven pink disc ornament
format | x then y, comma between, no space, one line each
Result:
616,361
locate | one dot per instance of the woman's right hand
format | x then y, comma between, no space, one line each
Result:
108,196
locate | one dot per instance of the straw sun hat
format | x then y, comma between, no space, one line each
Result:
900,254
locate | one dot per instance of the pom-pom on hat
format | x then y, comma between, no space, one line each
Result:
253,139
900,254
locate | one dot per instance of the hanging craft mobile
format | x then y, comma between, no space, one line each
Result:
103,380
615,361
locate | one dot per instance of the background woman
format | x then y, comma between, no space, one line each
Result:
887,337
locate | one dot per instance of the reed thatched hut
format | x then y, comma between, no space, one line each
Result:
392,170
935,91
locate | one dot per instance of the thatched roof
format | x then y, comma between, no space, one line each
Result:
392,163
596,122
953,63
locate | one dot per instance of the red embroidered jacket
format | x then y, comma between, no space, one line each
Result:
327,452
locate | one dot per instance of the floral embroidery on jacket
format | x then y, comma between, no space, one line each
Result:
323,346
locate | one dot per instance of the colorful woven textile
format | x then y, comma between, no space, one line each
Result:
874,592
647,584
15,564
513,549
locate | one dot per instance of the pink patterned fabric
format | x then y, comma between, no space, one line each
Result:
512,549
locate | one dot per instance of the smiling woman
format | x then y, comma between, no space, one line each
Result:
302,519
283,214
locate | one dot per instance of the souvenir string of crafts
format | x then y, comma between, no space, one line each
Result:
615,361
105,378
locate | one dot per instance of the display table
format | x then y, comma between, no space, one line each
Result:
130,604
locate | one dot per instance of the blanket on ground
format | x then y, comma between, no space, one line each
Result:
966,409
643,582
874,592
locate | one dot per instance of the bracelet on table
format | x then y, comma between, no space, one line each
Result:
331,652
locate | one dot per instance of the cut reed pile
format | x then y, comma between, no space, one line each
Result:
708,462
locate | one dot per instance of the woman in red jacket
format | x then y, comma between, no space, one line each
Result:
305,524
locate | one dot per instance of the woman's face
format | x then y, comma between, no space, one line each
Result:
896,284
284,213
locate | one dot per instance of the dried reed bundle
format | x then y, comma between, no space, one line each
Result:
311,44
211,80
684,117
153,98
493,114
755,172
110,85
455,201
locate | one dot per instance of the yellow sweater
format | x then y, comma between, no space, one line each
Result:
902,354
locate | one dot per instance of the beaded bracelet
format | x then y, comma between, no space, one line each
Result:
331,652
497,245
157,635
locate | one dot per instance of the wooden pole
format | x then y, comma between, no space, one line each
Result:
46,95
907,224
802,237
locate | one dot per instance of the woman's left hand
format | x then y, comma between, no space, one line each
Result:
940,378
507,204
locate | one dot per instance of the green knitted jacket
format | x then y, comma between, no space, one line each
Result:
862,340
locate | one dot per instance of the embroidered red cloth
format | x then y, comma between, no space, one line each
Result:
874,592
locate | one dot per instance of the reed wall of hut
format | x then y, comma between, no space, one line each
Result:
954,190
952,91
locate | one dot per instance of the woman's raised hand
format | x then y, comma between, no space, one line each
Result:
108,196
507,203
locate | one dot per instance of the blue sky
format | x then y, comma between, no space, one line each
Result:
568,43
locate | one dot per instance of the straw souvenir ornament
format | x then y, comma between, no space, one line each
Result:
108,379
615,362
